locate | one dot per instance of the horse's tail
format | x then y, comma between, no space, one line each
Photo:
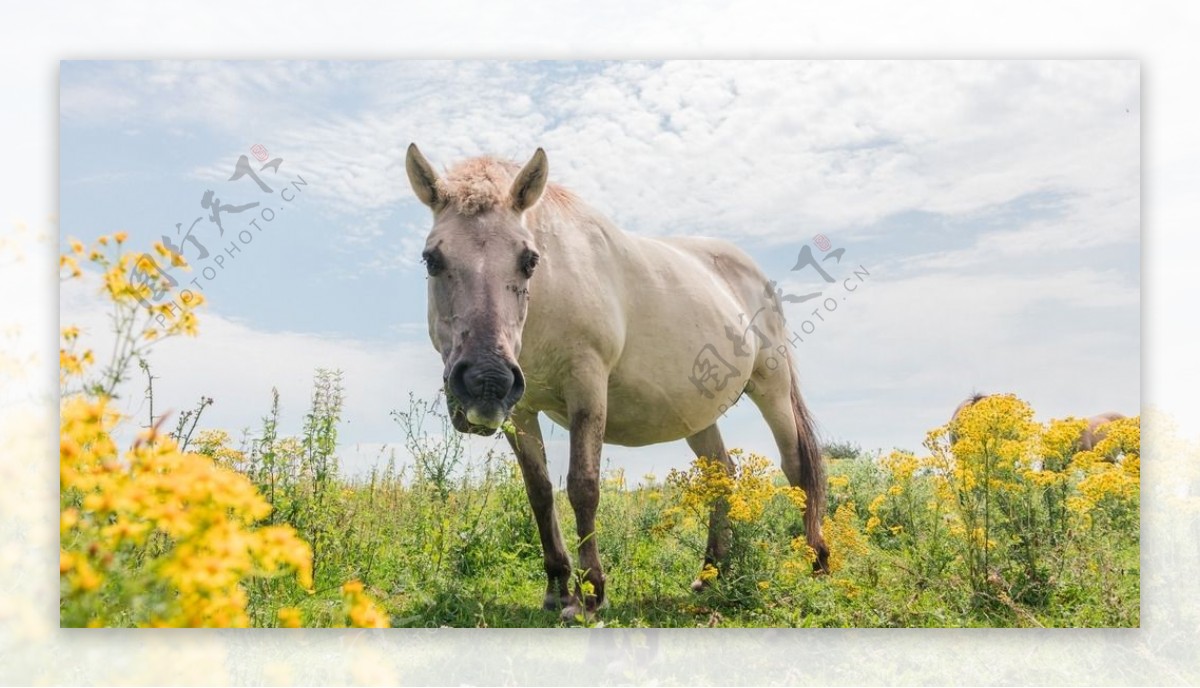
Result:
812,473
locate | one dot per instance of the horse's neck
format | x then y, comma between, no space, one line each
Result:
585,274
584,239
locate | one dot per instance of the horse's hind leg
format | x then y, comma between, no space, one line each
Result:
531,456
707,443
777,396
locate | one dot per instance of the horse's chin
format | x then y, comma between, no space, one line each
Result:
464,425
473,422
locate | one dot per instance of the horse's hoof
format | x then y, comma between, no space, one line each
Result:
553,603
699,585
820,567
577,613
572,613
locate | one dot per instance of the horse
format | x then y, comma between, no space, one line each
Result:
1092,433
538,304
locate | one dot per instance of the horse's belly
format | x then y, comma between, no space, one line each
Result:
638,415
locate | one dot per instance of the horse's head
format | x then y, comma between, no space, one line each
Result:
480,257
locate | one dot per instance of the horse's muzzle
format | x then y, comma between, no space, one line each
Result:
480,394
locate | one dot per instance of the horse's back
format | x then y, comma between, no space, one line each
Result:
731,270
1094,432
723,259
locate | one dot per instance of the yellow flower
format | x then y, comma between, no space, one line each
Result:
1059,440
362,611
69,265
902,465
289,617
206,514
846,542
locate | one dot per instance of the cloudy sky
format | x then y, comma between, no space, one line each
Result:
995,206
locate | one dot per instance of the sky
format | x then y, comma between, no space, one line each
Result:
994,207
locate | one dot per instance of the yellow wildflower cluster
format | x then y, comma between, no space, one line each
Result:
995,438
216,444
154,536
844,538
1105,481
873,509
1008,483
360,609
1059,442
290,617
901,465
178,517
71,362
747,489
148,302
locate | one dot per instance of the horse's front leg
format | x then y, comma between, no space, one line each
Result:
587,416
527,444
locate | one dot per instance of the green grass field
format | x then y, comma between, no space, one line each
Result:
444,543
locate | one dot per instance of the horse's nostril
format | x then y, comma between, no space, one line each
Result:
518,386
457,380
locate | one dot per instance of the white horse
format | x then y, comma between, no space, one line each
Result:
539,304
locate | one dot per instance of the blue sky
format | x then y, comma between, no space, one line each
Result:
995,204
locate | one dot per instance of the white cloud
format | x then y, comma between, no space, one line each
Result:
898,354
739,149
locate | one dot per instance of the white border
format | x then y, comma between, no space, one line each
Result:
34,37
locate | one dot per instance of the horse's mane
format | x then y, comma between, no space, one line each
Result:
480,184
967,403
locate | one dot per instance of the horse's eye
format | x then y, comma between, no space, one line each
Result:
434,262
529,261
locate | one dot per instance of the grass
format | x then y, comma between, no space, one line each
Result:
450,543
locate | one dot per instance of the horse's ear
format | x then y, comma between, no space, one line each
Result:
530,182
422,177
